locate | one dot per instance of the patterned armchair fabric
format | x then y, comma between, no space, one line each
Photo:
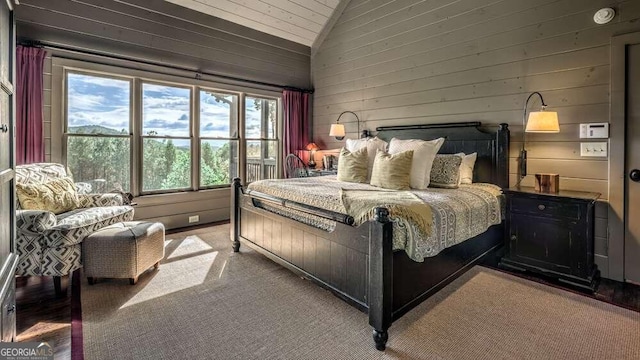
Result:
83,188
49,244
94,200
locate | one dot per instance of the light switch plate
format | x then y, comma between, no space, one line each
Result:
594,149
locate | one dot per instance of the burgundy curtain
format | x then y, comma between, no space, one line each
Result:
29,134
296,123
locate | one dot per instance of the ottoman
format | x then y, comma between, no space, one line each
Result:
123,250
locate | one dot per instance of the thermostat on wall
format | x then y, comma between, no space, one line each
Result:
594,131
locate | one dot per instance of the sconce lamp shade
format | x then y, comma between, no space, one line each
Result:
312,147
537,122
337,131
543,122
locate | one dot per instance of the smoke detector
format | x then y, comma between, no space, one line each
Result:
604,15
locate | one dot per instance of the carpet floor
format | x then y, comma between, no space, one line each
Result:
207,302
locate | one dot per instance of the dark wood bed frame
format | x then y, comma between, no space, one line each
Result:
358,263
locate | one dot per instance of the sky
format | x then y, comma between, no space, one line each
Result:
102,101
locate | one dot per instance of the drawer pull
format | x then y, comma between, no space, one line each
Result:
514,238
541,207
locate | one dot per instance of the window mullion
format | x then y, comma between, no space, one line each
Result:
195,138
242,143
136,138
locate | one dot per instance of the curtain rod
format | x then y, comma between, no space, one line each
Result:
40,44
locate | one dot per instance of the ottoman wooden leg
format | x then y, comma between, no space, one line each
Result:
91,280
133,281
156,266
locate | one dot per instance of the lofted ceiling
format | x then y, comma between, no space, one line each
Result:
300,21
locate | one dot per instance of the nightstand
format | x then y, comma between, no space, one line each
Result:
322,172
551,234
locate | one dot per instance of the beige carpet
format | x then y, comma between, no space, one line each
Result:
208,303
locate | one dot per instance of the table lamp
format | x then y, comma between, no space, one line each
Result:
312,148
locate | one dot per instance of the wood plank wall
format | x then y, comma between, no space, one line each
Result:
159,32
164,33
414,62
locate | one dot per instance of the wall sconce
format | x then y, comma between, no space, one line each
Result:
539,122
337,129
312,148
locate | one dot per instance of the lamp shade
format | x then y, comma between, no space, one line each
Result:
543,122
337,130
312,147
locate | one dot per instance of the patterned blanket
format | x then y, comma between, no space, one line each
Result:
458,214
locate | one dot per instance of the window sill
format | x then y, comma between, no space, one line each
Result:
182,196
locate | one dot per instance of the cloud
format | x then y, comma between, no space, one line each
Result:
164,124
117,118
79,101
212,127
105,82
166,110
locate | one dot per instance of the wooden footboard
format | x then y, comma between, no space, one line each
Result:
337,259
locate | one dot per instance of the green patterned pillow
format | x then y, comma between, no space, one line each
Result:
445,172
57,196
352,166
392,171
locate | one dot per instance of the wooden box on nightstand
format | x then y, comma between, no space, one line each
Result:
551,234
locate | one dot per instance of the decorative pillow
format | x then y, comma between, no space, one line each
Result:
445,172
372,145
466,168
424,152
352,166
56,196
392,171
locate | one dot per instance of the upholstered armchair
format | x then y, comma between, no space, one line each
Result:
49,244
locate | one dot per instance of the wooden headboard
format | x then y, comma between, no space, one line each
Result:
492,147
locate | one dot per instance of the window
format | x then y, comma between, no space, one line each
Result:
218,138
148,133
98,131
261,138
166,137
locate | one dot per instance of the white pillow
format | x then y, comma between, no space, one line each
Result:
466,168
423,154
372,145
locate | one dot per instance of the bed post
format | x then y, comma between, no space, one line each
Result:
236,188
380,276
502,156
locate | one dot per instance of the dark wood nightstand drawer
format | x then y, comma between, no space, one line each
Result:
545,208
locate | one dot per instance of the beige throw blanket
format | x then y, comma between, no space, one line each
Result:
402,205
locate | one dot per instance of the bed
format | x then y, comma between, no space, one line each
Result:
362,264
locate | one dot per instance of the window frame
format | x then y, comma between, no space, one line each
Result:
65,108
163,76
263,139
141,136
200,138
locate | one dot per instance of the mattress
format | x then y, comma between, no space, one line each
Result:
458,214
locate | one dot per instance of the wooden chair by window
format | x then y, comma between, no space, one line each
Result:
295,167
